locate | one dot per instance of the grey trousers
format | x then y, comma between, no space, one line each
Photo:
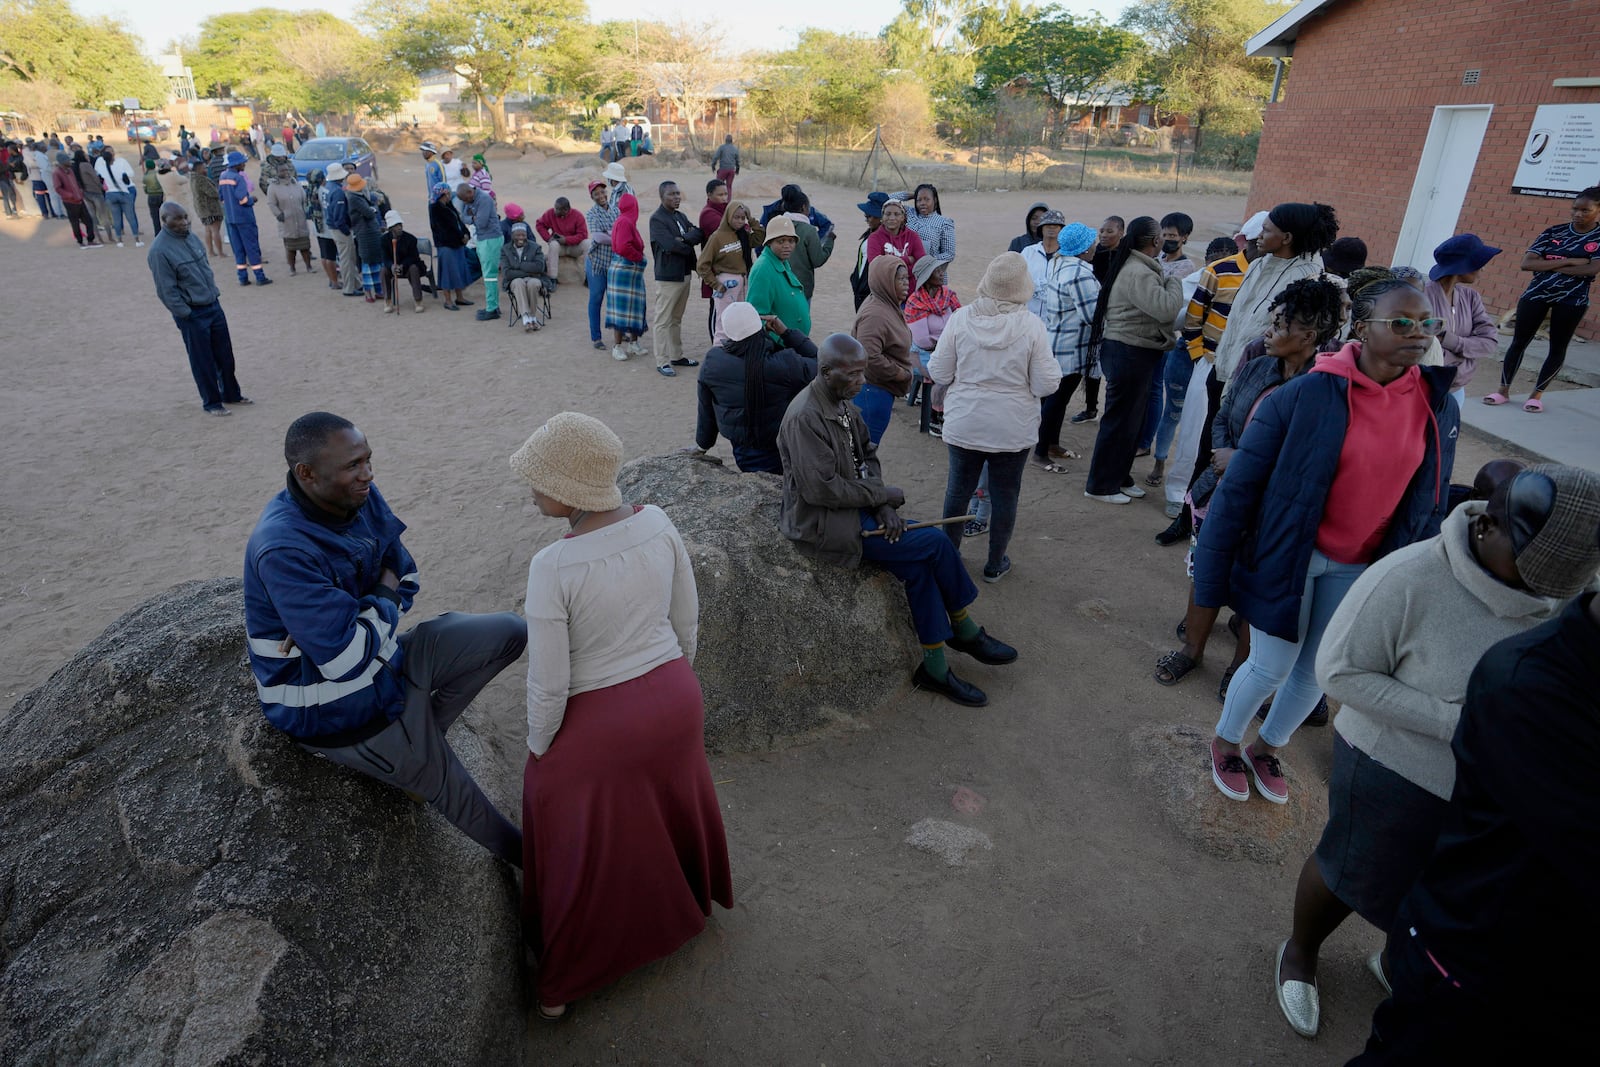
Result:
349,266
447,661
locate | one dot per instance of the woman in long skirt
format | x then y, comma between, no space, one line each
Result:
625,305
450,246
623,845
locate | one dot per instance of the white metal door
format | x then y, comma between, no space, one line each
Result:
1443,175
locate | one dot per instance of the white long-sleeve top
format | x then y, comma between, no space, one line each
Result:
605,607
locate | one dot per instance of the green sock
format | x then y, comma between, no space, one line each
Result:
933,662
965,628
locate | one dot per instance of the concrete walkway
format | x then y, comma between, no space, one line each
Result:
1567,431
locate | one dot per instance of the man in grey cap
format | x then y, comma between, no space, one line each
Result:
185,284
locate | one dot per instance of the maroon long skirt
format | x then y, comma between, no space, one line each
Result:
623,846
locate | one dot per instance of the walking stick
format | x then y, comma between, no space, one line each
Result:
921,525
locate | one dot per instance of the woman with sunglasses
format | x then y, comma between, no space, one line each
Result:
1338,468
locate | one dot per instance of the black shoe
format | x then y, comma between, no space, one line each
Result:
963,693
240,400
358,292
1087,415
1318,716
1180,529
686,362
985,649
463,303
487,316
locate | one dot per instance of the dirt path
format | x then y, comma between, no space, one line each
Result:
1091,931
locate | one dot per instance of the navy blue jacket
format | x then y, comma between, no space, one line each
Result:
310,576
1256,543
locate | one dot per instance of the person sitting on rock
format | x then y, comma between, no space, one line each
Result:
326,580
833,492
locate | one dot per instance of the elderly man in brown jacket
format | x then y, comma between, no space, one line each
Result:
837,508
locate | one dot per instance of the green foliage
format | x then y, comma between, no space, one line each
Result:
1062,57
939,43
496,45
52,58
832,78
582,70
1198,63
1233,151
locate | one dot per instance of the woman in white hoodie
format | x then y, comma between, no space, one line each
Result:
1398,654
996,359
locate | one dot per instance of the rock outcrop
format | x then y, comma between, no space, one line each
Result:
787,644
181,885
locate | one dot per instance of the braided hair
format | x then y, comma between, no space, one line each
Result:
1314,302
1367,285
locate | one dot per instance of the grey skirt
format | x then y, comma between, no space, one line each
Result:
1381,830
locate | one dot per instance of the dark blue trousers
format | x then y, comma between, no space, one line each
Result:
936,580
205,336
245,239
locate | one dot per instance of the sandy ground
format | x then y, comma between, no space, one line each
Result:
1091,932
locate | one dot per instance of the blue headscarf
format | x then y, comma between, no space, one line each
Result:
440,190
1076,239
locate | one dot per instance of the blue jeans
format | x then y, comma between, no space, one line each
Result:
1287,667
210,348
1176,372
122,208
876,405
981,506
1005,485
597,299
936,580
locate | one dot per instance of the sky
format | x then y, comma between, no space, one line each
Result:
775,27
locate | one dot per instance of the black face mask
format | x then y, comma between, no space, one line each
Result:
1170,247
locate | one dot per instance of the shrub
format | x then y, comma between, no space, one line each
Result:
1231,150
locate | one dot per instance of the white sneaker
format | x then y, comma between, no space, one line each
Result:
1133,491
1110,498
119,244
619,354
138,244
635,348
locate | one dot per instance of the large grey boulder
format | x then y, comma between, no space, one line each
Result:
181,885
787,644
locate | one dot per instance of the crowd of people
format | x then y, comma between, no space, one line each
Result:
1300,409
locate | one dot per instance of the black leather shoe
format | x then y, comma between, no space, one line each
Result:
963,693
686,362
985,649
1178,531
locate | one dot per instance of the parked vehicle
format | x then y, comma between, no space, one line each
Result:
320,153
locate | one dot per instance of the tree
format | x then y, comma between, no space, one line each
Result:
51,58
685,63
1198,64
345,71
496,46
582,69
938,42
1067,60
832,78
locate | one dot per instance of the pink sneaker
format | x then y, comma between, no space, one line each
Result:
1227,770
1268,775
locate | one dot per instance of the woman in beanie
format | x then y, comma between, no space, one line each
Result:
996,359
1398,655
622,834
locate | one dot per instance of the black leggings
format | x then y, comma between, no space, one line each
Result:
1564,319
1053,412
82,222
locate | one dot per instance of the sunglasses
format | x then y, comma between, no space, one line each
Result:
1403,326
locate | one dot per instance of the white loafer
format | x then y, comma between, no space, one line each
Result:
1298,1001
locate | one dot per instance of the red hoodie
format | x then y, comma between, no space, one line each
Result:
1384,444
625,239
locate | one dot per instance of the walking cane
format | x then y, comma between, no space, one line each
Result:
921,525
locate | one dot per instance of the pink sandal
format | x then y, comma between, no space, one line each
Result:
1495,399
1533,405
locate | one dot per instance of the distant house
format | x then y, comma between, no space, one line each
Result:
1417,125
719,114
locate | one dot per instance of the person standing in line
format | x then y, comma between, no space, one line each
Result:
366,228
710,219
810,250
1563,261
239,212
257,141
174,178
450,245
725,263
39,180
185,285
94,193
938,231
455,171
995,357
625,303
673,241
1064,298
895,238
484,223
65,184
336,216
872,212
317,210
8,180
207,204
1339,468
1108,238
880,328
774,289
1030,234
287,202
928,311
1170,386
1134,319
478,175
153,193
608,140
725,162
599,219
432,170
1398,656
624,846
1469,334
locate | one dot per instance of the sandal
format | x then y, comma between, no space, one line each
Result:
1057,452
1171,668
1222,687
1154,480
1533,405
1495,399
1050,467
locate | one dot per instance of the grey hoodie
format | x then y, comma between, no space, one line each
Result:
1251,313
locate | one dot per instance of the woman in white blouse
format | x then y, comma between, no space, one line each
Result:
927,221
623,840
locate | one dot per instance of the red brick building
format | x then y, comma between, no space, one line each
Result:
1416,119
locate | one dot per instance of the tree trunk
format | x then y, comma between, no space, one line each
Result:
497,116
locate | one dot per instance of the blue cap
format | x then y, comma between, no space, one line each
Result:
1076,239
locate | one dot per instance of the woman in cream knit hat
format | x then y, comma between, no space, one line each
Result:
623,837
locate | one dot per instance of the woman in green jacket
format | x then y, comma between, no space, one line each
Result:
774,290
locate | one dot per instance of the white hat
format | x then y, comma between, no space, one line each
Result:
1252,226
741,320
779,226
615,173
337,173
392,219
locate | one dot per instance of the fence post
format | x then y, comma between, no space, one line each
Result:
824,153
797,147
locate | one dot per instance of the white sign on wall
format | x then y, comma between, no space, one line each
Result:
1562,154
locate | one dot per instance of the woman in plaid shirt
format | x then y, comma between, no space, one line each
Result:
937,231
600,218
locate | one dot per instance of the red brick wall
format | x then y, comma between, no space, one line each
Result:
1359,98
